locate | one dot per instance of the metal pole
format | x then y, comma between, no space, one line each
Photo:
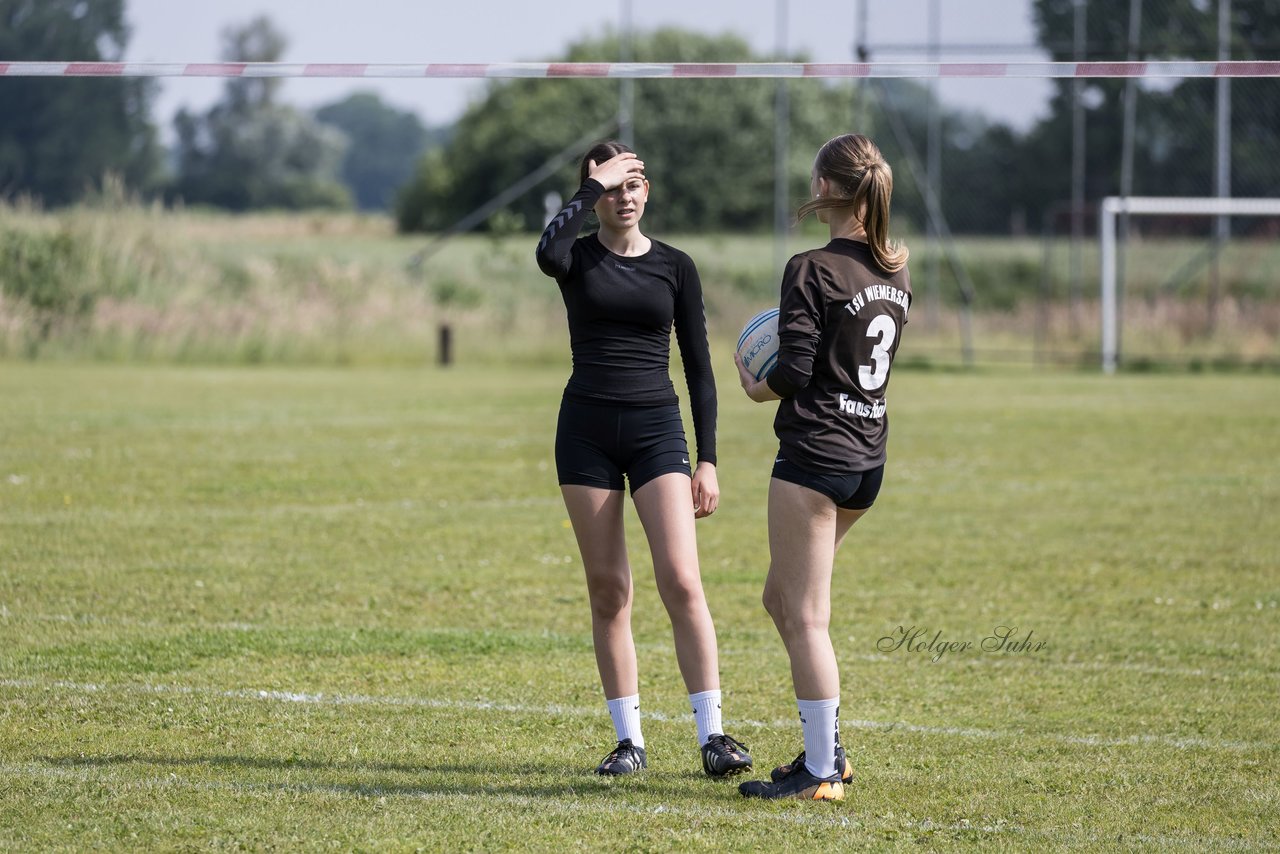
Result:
1126,156
963,282
1222,156
933,167
1077,166
861,54
1107,239
781,126
627,91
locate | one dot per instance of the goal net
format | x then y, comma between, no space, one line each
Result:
1113,208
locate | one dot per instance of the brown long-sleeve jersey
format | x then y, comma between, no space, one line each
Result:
840,322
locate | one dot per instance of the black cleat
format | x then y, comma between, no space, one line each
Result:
798,784
724,756
842,762
626,758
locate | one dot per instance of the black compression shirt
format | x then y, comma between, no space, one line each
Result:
621,311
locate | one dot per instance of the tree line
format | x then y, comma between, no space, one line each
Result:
61,138
709,144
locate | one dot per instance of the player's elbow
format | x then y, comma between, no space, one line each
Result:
547,264
785,380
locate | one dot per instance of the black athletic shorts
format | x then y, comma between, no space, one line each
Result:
599,444
853,491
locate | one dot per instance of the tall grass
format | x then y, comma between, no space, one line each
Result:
121,281
193,286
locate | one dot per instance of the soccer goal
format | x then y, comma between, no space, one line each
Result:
1154,206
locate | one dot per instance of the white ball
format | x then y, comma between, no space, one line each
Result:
758,343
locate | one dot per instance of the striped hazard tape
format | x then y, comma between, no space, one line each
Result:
636,70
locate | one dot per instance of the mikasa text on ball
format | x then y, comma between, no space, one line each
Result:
758,343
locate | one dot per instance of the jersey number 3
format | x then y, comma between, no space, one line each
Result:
872,376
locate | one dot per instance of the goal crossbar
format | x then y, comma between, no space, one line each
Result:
1153,206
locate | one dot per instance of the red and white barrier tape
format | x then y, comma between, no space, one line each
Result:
638,70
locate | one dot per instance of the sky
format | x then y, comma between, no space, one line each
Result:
486,31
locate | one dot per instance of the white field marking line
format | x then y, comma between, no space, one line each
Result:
576,808
989,660
323,699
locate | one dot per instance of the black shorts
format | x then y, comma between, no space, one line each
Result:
599,444
852,491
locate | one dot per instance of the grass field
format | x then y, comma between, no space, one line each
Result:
309,608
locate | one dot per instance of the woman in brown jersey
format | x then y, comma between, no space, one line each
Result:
842,311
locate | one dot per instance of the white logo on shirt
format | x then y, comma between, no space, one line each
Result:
860,409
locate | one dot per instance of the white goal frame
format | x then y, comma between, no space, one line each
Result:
1156,206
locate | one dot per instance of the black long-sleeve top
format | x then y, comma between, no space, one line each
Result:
621,312
839,325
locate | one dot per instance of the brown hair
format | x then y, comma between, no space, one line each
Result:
600,152
862,180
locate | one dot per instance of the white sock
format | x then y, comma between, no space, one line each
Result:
820,720
706,714
625,712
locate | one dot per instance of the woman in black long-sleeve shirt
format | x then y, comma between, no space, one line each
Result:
619,422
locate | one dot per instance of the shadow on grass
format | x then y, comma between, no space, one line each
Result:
455,779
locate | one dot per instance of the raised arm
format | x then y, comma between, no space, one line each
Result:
554,254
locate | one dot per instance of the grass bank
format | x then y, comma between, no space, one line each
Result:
131,283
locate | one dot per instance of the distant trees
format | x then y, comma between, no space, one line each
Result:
707,143
710,142
59,137
249,150
1174,123
384,145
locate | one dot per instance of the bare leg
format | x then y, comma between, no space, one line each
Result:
596,515
805,529
665,507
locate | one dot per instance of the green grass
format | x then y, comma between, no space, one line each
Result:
311,608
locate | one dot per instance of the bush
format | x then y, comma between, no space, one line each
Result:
48,273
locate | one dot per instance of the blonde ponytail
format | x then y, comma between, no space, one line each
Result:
855,167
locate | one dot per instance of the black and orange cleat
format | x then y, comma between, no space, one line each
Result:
724,756
626,758
798,784
842,762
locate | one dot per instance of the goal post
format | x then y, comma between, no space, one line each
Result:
1154,206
